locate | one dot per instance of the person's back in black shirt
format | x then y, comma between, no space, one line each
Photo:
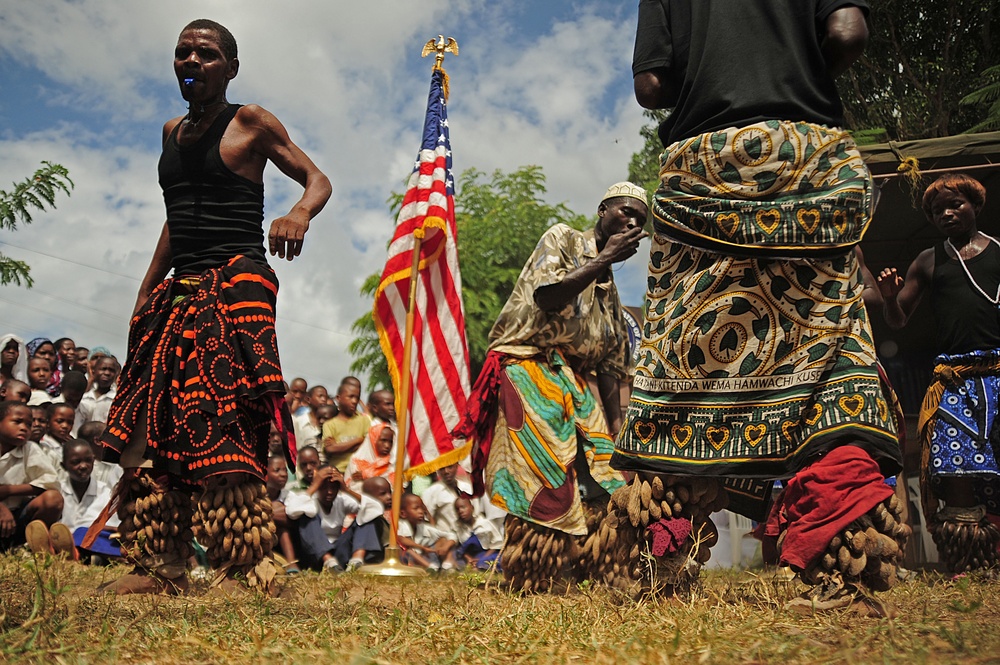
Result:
732,63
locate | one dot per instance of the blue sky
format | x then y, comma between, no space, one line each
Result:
89,84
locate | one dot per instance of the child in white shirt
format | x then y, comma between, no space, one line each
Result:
425,546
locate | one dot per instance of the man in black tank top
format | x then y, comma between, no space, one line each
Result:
957,426
203,381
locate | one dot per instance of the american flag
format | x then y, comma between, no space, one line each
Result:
439,358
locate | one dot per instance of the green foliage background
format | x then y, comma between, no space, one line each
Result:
34,193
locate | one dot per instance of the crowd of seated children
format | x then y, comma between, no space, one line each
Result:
324,520
423,545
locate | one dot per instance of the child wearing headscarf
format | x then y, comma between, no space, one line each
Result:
13,358
375,457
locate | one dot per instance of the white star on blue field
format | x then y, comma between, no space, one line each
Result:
89,84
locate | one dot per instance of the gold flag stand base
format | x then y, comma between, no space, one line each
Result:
392,566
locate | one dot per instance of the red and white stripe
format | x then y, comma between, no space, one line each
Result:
439,366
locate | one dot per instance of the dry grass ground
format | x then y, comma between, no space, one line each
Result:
48,614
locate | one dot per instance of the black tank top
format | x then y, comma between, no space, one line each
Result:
966,321
212,213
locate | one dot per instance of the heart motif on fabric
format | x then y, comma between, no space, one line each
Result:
813,414
681,434
717,436
808,219
852,404
645,430
755,434
729,222
786,430
883,409
768,220
840,221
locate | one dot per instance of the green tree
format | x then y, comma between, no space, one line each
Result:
500,219
922,59
16,205
365,348
644,168
988,94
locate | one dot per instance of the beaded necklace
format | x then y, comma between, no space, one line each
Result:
995,300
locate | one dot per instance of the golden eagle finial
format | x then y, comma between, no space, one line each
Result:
439,47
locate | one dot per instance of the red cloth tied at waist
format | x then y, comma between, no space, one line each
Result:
822,500
480,418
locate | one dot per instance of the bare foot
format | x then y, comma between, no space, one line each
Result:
139,581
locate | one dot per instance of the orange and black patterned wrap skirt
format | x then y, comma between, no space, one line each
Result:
203,373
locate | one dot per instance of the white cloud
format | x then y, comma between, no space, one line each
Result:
347,81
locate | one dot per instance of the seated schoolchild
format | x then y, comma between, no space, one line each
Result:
479,540
29,486
96,402
308,424
60,424
439,500
424,545
39,377
345,432
365,539
72,387
84,497
277,478
15,391
275,443
307,463
39,423
374,458
107,473
318,514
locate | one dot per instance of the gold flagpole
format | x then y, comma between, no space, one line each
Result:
392,566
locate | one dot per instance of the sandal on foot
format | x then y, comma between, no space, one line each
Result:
36,534
62,541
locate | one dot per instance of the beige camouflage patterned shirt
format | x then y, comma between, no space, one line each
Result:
590,330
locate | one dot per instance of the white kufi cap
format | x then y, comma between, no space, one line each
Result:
626,189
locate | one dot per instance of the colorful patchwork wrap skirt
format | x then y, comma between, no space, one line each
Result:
958,427
537,417
203,381
756,353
